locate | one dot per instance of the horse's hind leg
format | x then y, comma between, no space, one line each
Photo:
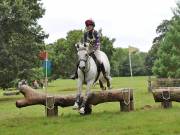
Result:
105,76
101,85
108,82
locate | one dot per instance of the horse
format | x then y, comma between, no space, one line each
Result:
88,73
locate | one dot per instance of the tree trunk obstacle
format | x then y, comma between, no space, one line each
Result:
155,83
166,95
51,102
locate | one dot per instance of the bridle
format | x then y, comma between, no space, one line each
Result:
87,64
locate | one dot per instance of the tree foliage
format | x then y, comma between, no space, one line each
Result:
161,30
21,38
168,62
64,56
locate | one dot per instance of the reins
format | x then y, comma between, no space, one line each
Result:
87,66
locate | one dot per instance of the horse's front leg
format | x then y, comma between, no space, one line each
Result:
78,95
84,102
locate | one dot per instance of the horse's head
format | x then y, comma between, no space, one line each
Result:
82,55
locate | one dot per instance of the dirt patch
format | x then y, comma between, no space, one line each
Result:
146,107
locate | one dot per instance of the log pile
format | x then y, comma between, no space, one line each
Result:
166,95
155,83
33,97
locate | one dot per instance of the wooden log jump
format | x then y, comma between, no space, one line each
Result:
155,83
33,97
166,95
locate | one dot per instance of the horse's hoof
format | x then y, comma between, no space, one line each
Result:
76,106
110,88
81,111
104,88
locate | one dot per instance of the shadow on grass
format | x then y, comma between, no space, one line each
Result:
76,115
5,99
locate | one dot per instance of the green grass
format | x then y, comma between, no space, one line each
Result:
106,119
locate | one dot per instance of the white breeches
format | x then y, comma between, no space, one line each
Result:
96,52
98,56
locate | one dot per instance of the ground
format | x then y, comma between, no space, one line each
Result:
147,119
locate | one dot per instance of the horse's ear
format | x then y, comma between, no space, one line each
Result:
77,46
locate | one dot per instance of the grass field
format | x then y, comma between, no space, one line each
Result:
106,119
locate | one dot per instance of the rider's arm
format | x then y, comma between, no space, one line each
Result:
97,41
85,37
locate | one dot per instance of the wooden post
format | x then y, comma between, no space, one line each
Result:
51,109
125,105
149,84
166,103
132,105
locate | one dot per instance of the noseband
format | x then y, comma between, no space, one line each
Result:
87,65
83,60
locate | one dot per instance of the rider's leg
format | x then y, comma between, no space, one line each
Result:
98,56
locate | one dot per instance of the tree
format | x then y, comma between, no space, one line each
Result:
64,56
118,58
138,67
107,46
161,30
138,60
21,39
167,64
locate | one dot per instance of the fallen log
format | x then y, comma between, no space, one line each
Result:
166,95
33,97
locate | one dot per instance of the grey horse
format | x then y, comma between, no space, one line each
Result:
88,73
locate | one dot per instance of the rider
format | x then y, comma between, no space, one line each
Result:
91,36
